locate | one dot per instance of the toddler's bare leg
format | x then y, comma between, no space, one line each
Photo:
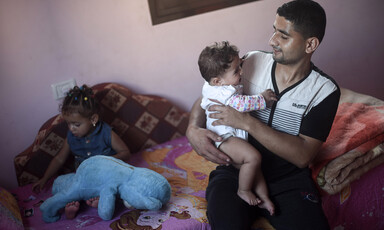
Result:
71,209
93,202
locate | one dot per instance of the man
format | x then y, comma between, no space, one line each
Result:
288,135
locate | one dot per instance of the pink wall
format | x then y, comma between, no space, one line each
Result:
93,41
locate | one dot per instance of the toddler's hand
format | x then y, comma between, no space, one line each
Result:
269,97
38,186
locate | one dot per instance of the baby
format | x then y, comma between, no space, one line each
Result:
220,66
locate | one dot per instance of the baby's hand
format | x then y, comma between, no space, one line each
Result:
269,97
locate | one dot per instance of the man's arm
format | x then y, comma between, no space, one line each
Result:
299,150
202,139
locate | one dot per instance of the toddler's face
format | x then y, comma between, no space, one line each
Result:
78,125
232,75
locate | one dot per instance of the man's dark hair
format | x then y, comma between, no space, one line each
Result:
215,59
307,16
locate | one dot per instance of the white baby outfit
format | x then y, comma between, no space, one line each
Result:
231,96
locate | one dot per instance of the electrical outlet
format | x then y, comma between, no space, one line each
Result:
61,89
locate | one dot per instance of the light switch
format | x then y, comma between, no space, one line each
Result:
61,89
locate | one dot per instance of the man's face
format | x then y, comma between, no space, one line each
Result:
288,45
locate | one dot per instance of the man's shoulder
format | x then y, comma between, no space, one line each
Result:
257,54
321,86
257,59
324,79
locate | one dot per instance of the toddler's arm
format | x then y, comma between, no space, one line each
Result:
53,167
269,97
122,150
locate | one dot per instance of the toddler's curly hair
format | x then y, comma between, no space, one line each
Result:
80,100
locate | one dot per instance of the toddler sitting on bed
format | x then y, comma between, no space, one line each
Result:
87,136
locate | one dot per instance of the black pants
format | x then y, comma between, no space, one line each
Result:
296,199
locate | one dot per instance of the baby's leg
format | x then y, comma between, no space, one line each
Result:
247,159
261,190
93,202
71,209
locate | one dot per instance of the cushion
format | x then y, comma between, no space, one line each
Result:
10,217
141,121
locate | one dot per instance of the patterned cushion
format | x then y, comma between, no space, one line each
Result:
10,217
141,121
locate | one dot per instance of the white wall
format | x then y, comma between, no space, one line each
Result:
93,41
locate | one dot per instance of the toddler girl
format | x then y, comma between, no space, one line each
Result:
87,136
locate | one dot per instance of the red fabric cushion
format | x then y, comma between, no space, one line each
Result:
141,121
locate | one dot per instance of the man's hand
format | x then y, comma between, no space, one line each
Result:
228,116
202,142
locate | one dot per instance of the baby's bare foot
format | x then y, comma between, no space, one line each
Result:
249,197
268,205
71,209
93,202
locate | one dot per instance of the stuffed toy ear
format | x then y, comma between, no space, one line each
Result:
145,189
62,183
139,200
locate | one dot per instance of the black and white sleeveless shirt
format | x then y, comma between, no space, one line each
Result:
307,107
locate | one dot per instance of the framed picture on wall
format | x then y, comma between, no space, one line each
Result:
168,10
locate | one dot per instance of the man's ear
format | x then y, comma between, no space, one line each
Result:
94,119
312,44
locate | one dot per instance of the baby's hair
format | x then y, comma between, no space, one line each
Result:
215,59
80,100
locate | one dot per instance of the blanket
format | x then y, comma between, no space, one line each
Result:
187,173
354,145
359,206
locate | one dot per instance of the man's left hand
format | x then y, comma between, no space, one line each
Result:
227,115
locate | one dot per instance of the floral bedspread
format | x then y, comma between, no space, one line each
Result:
358,206
175,160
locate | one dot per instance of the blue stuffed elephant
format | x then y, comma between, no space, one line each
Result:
106,177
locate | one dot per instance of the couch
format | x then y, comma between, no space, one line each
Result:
348,170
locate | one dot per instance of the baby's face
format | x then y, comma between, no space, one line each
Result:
78,125
232,76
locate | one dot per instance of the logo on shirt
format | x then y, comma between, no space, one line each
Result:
299,106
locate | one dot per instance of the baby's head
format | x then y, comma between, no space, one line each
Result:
80,110
220,64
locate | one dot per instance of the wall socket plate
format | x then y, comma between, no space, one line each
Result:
61,89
